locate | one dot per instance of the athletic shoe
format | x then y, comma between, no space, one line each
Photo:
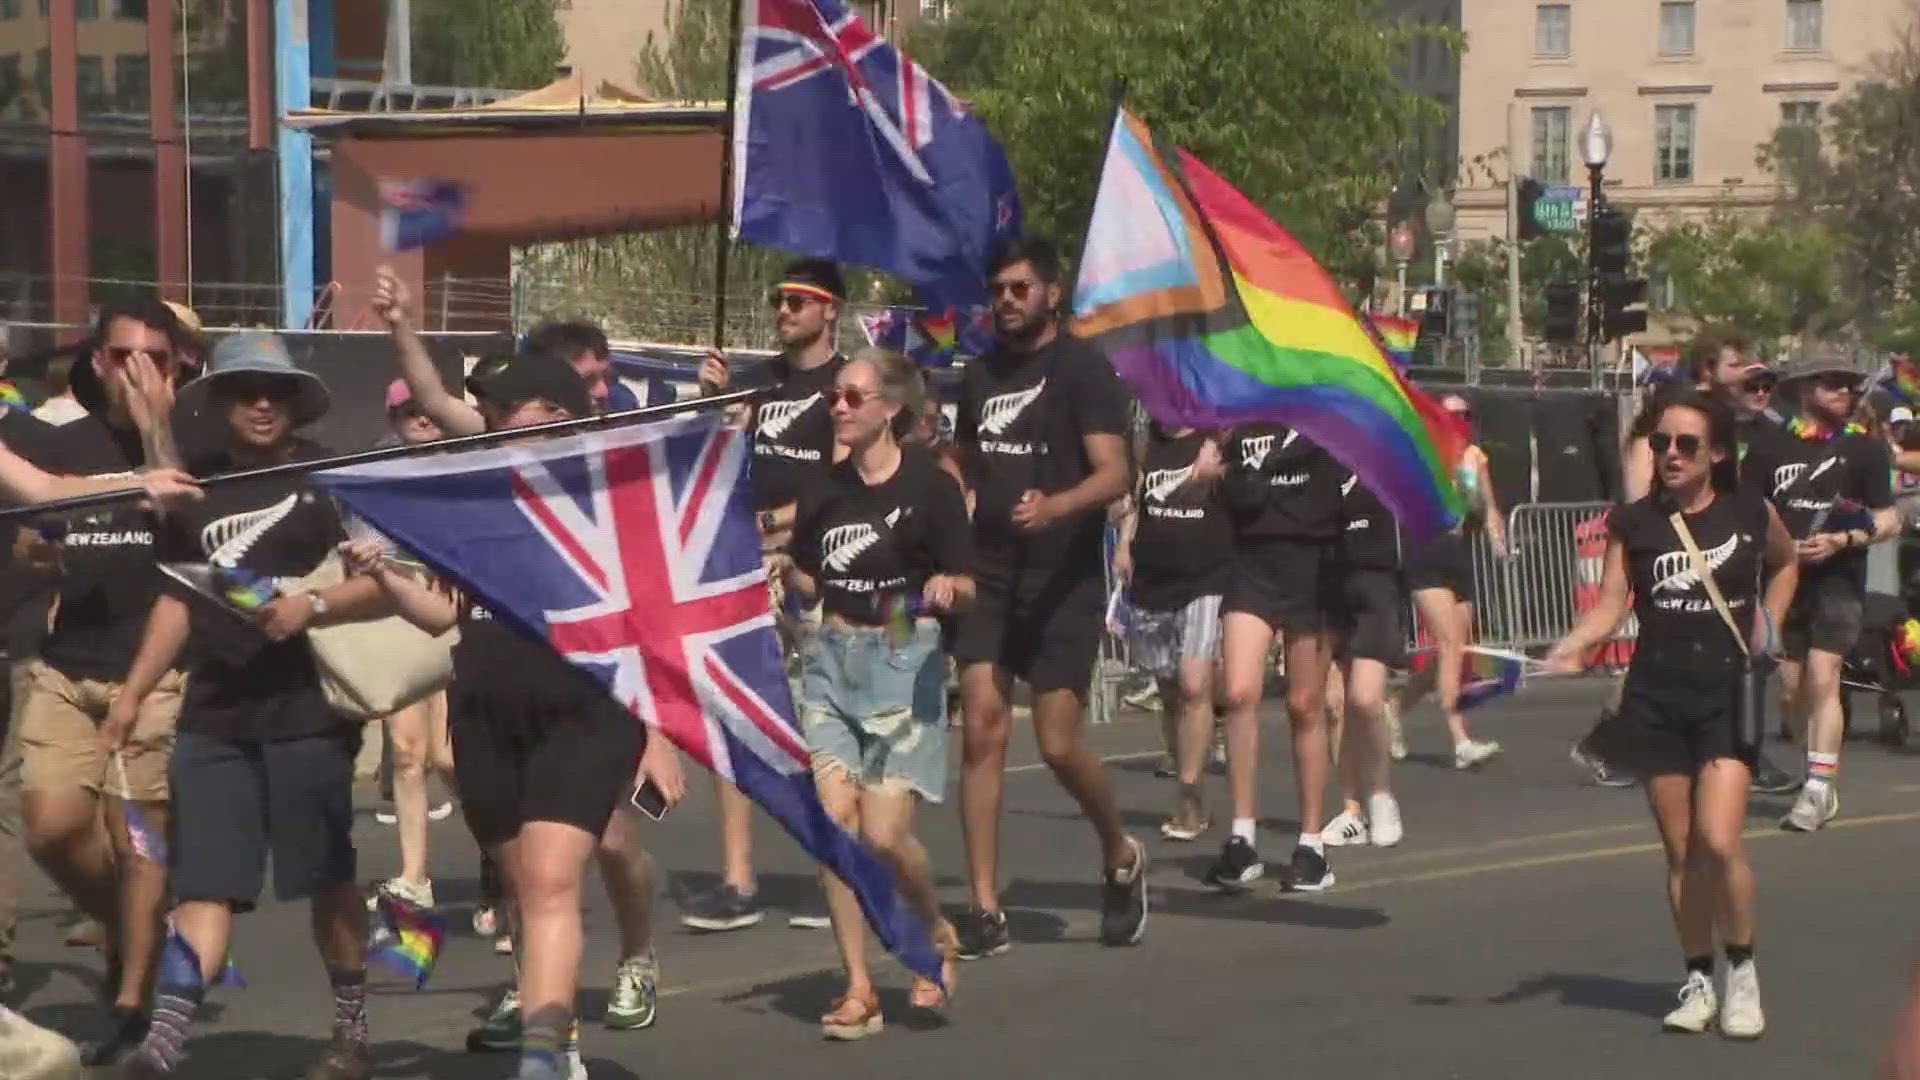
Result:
1180,831
1165,770
1474,753
386,815
1771,779
125,1028
486,921
1740,1016
1344,829
982,933
1238,866
417,893
1308,871
636,993
1383,819
83,932
1217,760
501,1029
343,1060
1596,766
725,908
1812,810
1123,900
1146,699
503,945
1697,1005
810,914
441,812
1396,735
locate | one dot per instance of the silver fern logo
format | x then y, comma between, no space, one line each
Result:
777,416
844,543
1674,572
1254,450
227,540
1346,487
1001,410
1162,483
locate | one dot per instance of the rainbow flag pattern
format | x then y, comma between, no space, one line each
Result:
1906,647
1395,336
142,837
1216,316
180,964
1902,379
11,397
406,937
1485,675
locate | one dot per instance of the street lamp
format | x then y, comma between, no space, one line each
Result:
1596,142
1400,245
1596,146
1440,218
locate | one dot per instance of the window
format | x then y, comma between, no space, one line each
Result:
86,9
1550,144
1676,28
933,9
90,79
1803,25
43,77
1673,144
130,9
130,83
10,9
12,86
1800,114
1553,30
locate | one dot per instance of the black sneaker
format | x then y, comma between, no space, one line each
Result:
1308,872
725,908
982,933
810,914
1237,868
125,1028
1771,779
1123,901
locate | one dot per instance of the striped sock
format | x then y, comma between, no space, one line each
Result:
350,1005
540,1049
1822,769
173,1009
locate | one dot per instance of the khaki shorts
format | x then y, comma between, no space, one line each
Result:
60,735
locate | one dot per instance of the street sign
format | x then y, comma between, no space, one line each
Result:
1561,210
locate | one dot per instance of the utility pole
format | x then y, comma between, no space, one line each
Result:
1515,331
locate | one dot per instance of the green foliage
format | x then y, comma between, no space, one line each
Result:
1292,101
1480,268
688,62
506,44
1772,276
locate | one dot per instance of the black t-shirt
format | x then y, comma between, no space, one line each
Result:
793,433
524,683
868,546
1024,417
1682,636
1833,484
1182,539
24,594
241,685
1282,485
1373,536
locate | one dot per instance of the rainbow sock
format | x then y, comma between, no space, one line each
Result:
1822,769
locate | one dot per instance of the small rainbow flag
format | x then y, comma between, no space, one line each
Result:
1486,674
142,837
180,964
406,937
11,397
1217,316
1395,336
1906,646
244,589
1902,379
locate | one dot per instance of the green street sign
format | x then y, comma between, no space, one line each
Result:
1558,210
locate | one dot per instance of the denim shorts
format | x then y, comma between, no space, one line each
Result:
873,706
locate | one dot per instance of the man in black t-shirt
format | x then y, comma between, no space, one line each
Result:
1043,423
793,449
1831,481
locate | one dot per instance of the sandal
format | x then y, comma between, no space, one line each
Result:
925,995
1175,829
852,1018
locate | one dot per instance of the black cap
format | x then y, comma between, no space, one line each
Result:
820,275
535,375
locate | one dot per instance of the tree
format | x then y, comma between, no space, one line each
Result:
1770,275
1480,269
508,44
1292,101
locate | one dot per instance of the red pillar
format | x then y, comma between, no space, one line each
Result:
260,114
171,258
67,171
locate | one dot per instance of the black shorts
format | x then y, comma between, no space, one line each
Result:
1826,615
572,771
1665,726
1446,562
1287,584
1373,617
1048,640
235,803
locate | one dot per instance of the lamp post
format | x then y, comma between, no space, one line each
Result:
1400,246
1440,219
1596,146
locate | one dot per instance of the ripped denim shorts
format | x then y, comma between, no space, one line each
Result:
872,705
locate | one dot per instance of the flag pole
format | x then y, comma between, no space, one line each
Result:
388,453
722,239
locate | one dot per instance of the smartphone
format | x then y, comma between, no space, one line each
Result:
649,800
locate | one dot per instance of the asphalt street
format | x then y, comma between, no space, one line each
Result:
1520,930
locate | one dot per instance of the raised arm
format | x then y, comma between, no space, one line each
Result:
1599,622
402,593
453,414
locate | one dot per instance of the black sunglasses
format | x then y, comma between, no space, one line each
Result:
1759,386
1687,445
1019,290
793,302
854,396
1838,381
248,389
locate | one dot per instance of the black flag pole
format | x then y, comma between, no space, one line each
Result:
388,453
722,231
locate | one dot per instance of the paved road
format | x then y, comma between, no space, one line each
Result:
1519,931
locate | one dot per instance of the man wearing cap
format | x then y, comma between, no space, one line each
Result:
262,765
1830,480
793,450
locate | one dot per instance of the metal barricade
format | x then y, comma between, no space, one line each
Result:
1551,577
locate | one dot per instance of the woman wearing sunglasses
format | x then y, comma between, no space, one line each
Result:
1677,726
885,545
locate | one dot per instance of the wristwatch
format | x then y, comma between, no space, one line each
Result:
318,602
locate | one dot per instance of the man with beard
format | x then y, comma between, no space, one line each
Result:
793,451
1043,425
1831,481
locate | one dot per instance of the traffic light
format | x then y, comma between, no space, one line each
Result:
1563,313
1528,194
1434,318
1466,316
1612,241
1616,291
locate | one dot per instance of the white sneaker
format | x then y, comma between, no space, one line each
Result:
1346,828
417,893
1383,819
1740,1016
1697,1005
1474,753
1816,806
441,812
1396,735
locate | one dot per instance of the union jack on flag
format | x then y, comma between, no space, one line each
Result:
415,213
633,553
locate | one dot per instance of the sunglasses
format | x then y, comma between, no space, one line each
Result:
1838,382
1018,290
1758,386
247,389
1687,445
852,395
792,302
120,354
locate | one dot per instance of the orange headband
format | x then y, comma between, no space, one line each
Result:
814,291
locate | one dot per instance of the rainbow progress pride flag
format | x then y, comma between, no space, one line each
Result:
1217,317
1395,336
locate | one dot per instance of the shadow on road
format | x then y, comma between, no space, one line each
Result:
1591,992
805,998
1262,906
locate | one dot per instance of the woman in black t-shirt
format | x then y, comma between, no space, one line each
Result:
1676,725
885,545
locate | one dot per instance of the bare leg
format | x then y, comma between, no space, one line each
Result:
987,722
544,863
1720,811
1363,754
627,873
1245,640
207,925
1670,795
1820,694
411,731
1307,713
886,824
1059,727
841,799
339,917
1195,694
736,837
66,840
143,894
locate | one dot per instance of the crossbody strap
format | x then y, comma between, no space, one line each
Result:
1705,572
